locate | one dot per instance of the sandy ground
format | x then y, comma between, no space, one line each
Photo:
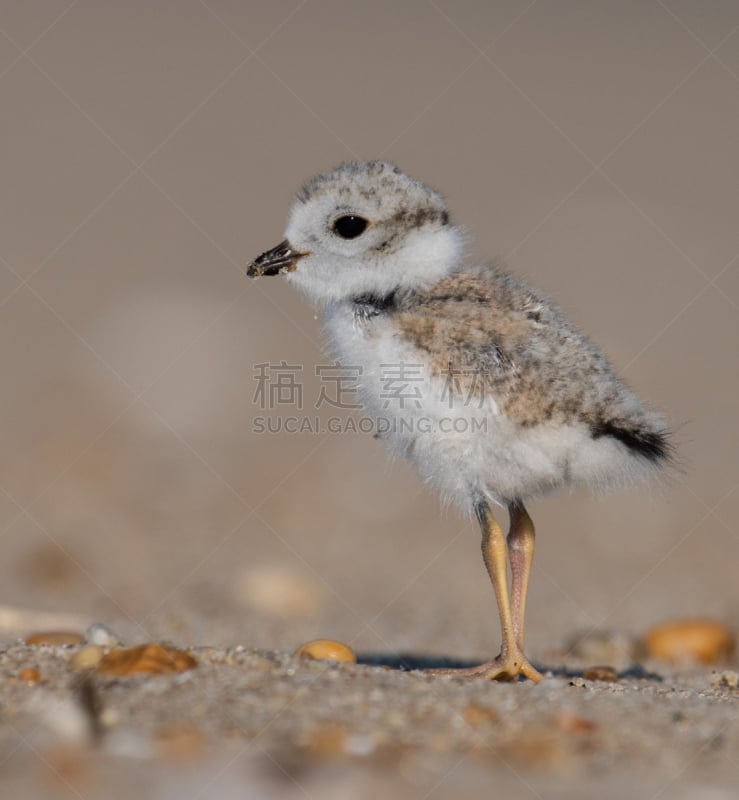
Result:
253,722
247,723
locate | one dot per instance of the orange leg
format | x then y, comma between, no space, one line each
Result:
521,538
495,552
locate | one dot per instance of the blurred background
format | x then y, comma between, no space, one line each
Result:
151,149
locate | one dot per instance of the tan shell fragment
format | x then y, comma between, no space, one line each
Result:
151,659
327,650
55,638
601,673
87,658
703,641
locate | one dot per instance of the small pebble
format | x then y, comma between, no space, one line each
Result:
727,678
30,675
703,641
87,658
99,633
327,650
607,674
152,659
605,647
55,638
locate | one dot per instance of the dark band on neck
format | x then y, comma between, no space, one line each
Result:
374,304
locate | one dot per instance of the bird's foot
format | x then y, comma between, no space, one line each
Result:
506,667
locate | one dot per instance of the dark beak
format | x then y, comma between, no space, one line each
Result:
275,261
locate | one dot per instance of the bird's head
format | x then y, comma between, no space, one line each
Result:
363,228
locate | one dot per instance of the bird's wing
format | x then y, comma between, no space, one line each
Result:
490,329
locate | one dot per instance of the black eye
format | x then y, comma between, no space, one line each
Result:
349,227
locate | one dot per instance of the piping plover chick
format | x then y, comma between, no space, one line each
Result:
515,401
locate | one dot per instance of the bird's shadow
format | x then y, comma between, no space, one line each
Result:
408,662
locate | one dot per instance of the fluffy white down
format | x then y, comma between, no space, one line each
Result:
479,452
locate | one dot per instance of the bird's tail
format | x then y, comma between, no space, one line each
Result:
648,440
